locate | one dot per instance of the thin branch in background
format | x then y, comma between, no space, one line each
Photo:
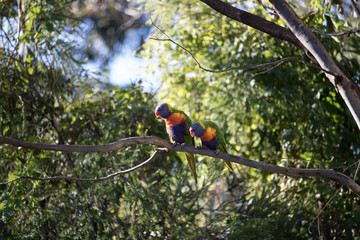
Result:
319,232
347,167
157,151
20,24
281,61
263,72
267,8
356,172
322,209
348,32
355,7
53,121
20,15
276,63
330,199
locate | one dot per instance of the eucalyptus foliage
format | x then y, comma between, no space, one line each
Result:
290,116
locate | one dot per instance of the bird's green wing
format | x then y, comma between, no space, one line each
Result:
220,136
188,120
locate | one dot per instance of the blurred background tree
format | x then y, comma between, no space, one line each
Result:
290,116
108,24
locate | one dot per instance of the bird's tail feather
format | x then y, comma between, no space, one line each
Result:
191,160
229,165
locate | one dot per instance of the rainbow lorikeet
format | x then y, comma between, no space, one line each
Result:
211,137
177,126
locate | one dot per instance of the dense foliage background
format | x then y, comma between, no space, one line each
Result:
290,116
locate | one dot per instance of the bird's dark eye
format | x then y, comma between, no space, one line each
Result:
195,129
161,109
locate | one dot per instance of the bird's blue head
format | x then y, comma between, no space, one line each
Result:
197,129
163,110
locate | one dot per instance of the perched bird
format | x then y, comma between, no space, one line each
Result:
177,126
211,137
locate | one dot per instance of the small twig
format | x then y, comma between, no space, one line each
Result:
330,199
157,151
322,209
336,34
281,61
20,20
52,118
355,8
263,72
319,232
276,63
356,172
268,9
20,24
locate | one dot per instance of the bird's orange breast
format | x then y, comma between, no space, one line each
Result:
209,134
175,119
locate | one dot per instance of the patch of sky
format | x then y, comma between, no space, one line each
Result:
125,67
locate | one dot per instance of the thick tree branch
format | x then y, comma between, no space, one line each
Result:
287,171
253,21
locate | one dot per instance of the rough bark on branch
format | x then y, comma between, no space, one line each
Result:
287,171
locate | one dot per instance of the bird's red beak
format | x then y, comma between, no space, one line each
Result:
192,134
157,114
